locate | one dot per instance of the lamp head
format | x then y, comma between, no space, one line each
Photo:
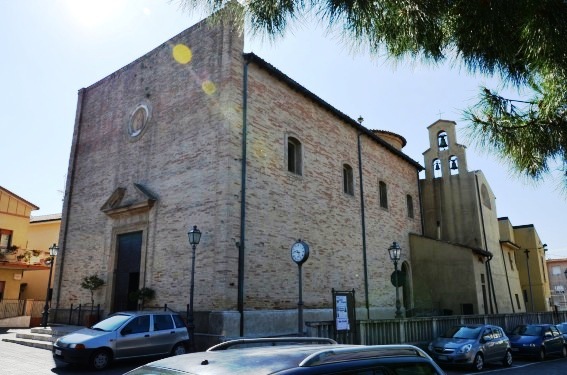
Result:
395,252
53,250
194,236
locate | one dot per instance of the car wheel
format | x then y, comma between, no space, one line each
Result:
541,354
563,351
478,363
179,349
507,359
101,359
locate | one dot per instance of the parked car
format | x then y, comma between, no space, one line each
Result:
562,327
472,345
539,340
124,335
295,356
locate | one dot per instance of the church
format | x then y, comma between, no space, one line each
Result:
197,135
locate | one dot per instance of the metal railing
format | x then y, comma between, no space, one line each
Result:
422,330
11,308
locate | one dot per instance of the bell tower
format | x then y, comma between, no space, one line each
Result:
445,157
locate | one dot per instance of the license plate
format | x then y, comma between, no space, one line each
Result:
57,352
443,358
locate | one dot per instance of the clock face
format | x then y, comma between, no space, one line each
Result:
299,252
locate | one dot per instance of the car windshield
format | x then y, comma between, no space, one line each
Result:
527,331
111,323
462,332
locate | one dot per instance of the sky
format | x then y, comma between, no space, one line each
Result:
50,49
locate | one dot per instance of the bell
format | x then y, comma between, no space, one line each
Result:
454,165
437,167
442,142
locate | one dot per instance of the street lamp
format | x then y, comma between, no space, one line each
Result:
194,238
395,252
52,253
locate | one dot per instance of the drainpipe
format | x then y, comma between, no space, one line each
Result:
242,241
419,193
507,279
491,291
363,223
68,191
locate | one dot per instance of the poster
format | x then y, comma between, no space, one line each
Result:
341,305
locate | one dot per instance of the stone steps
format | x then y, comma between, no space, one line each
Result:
39,337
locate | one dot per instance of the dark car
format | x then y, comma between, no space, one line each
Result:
472,345
562,327
538,340
296,356
124,335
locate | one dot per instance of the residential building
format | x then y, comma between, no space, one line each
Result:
557,273
24,260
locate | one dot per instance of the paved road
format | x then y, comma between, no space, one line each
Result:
18,359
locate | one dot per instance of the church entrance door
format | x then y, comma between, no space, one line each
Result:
127,277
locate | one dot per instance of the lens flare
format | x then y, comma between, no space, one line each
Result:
182,54
209,87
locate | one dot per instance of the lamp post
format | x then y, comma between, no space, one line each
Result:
194,238
395,252
52,253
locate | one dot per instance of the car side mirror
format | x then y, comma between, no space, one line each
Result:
548,334
486,338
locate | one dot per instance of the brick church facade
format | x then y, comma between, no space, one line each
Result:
198,133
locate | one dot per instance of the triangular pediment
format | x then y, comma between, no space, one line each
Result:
129,201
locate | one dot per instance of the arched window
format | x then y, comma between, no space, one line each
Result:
442,140
383,191
454,165
409,203
437,170
348,180
294,156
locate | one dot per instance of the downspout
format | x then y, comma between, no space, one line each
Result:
363,223
68,190
420,204
507,279
491,291
242,241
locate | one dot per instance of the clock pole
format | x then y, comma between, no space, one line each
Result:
300,304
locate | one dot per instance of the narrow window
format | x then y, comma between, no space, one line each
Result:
5,239
511,261
348,183
294,156
409,202
518,302
383,194
485,196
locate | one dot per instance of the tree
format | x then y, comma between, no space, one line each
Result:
92,283
522,41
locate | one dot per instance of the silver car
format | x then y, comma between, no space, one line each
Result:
124,335
295,355
472,345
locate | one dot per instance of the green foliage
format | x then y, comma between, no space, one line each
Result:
142,295
92,283
522,41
